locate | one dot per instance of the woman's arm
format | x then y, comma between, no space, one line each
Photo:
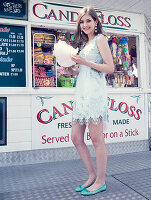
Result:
108,66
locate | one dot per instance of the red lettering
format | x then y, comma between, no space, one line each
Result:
61,139
119,20
53,139
110,20
128,23
138,112
121,105
57,139
49,139
44,139
52,14
101,16
72,16
103,20
66,138
131,112
112,105
66,106
61,13
56,111
40,119
34,10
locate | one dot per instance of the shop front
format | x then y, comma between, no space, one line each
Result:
39,92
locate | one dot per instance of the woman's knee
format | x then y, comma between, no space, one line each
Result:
77,134
97,140
76,139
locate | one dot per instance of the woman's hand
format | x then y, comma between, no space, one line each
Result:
68,70
78,59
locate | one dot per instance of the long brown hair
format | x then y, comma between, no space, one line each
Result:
80,37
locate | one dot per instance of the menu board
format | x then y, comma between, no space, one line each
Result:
12,56
14,9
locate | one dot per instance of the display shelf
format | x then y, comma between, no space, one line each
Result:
45,65
42,76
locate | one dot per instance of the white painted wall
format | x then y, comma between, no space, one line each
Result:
18,123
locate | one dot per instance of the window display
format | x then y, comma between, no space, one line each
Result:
43,59
124,54
48,73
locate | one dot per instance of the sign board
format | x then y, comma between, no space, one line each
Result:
61,14
14,9
52,115
12,56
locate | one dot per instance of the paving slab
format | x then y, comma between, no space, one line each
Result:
139,181
128,178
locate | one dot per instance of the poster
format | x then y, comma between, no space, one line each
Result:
52,115
12,56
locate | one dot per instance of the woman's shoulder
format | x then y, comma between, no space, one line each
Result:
101,41
101,37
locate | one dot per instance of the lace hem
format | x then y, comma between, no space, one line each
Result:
85,121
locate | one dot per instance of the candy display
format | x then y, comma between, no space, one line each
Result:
61,35
39,58
114,48
48,38
43,62
48,59
45,81
39,37
123,45
123,50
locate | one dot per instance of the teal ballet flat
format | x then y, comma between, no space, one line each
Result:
80,188
87,192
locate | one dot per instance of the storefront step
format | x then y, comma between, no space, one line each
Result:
68,153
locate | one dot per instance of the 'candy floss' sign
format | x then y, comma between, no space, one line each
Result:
57,13
51,120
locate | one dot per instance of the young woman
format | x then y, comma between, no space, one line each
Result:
90,101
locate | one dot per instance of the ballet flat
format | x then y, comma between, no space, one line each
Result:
80,188
87,192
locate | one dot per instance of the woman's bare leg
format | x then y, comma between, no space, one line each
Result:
97,137
77,136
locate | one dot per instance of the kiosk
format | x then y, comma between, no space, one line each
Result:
39,93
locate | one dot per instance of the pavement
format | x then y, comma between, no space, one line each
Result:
128,178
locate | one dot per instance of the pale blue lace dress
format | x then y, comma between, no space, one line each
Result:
90,100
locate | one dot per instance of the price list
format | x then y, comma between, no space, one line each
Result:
12,56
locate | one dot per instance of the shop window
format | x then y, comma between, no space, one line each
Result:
48,73
124,52
3,121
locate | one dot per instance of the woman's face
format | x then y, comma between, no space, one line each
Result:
87,24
